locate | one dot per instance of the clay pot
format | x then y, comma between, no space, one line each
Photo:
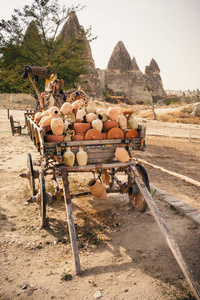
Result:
78,137
90,117
132,123
69,134
97,189
45,113
78,103
71,117
115,133
69,157
110,124
54,111
91,107
103,117
81,157
46,121
131,134
122,121
100,110
104,135
66,108
121,154
113,113
51,138
80,114
97,124
93,134
57,126
37,116
81,128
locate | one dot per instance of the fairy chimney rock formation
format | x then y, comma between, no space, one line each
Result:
123,76
120,59
153,80
90,82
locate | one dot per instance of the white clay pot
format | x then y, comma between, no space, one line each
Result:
69,157
57,126
122,121
46,121
97,124
80,114
78,103
54,111
91,107
122,155
113,113
132,123
103,117
66,108
38,116
45,113
81,157
97,189
100,110
90,117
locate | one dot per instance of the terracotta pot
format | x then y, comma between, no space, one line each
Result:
104,135
115,133
93,134
81,128
66,108
51,138
54,111
97,189
110,124
131,134
113,113
78,137
121,154
57,126
82,157
69,157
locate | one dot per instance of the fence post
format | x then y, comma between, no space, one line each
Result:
8,113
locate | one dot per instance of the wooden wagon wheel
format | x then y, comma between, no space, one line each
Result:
135,197
42,199
107,179
31,174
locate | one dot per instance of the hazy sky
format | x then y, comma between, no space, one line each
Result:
166,30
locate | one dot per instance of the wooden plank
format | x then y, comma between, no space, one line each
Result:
36,90
180,176
165,231
71,225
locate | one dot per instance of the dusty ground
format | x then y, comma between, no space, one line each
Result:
123,254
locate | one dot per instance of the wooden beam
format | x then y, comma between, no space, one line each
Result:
165,231
180,176
68,205
36,90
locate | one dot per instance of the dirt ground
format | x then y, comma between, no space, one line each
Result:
122,252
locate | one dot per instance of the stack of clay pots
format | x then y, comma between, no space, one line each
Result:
78,121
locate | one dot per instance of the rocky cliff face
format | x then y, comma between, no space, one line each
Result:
90,82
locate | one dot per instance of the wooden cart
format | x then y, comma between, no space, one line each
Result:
102,163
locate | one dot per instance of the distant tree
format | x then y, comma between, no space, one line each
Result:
30,38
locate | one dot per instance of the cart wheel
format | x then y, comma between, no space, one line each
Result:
107,179
42,199
31,174
135,197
